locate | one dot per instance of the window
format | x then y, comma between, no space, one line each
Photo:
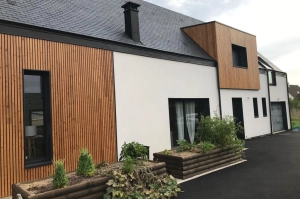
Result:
255,107
37,118
272,77
264,106
184,117
239,56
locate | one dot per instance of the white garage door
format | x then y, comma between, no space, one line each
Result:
277,117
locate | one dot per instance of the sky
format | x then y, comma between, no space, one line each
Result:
274,22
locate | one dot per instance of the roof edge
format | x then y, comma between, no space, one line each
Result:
19,29
220,24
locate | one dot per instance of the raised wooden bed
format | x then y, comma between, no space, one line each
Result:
95,188
196,163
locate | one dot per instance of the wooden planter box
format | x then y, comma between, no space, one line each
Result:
197,163
89,190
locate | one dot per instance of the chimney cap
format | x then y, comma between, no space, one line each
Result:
129,5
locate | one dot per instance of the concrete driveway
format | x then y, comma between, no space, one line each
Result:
272,171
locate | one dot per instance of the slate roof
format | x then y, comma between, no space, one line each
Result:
294,90
104,19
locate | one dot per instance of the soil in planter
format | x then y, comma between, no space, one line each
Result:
45,185
181,154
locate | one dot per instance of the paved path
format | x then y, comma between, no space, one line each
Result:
271,172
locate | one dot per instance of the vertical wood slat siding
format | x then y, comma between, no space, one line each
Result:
82,97
216,39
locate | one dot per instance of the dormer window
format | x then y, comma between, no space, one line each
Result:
239,56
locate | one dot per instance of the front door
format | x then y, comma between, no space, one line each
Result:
237,106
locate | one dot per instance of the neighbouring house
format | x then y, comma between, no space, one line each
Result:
95,74
294,91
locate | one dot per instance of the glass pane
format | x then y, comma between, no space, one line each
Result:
235,58
32,84
175,122
184,119
270,77
35,139
35,135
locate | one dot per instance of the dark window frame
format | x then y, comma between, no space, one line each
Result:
273,76
206,112
264,106
241,53
255,107
47,108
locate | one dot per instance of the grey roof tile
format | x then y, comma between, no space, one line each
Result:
159,27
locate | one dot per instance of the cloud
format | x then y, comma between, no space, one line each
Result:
281,48
200,9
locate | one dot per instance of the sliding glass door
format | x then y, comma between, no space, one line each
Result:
184,118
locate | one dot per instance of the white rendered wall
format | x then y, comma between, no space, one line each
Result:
144,85
253,126
278,93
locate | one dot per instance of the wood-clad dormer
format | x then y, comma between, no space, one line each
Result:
234,50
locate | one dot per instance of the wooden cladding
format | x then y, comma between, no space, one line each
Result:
82,100
217,39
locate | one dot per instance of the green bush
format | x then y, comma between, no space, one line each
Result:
206,146
134,150
184,145
60,178
166,152
295,123
220,132
128,165
86,166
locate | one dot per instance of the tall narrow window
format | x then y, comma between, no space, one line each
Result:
264,106
37,118
255,107
272,78
184,118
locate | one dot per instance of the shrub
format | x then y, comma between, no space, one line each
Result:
295,123
60,178
134,150
206,146
128,165
219,131
166,152
184,145
86,166
141,184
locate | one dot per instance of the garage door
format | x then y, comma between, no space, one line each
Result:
277,116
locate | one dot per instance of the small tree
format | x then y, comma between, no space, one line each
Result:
60,178
128,165
86,166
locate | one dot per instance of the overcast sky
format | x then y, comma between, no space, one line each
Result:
275,24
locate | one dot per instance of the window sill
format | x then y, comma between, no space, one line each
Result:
29,165
265,116
256,116
242,67
272,85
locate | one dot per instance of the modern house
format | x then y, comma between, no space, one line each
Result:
95,74
294,91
